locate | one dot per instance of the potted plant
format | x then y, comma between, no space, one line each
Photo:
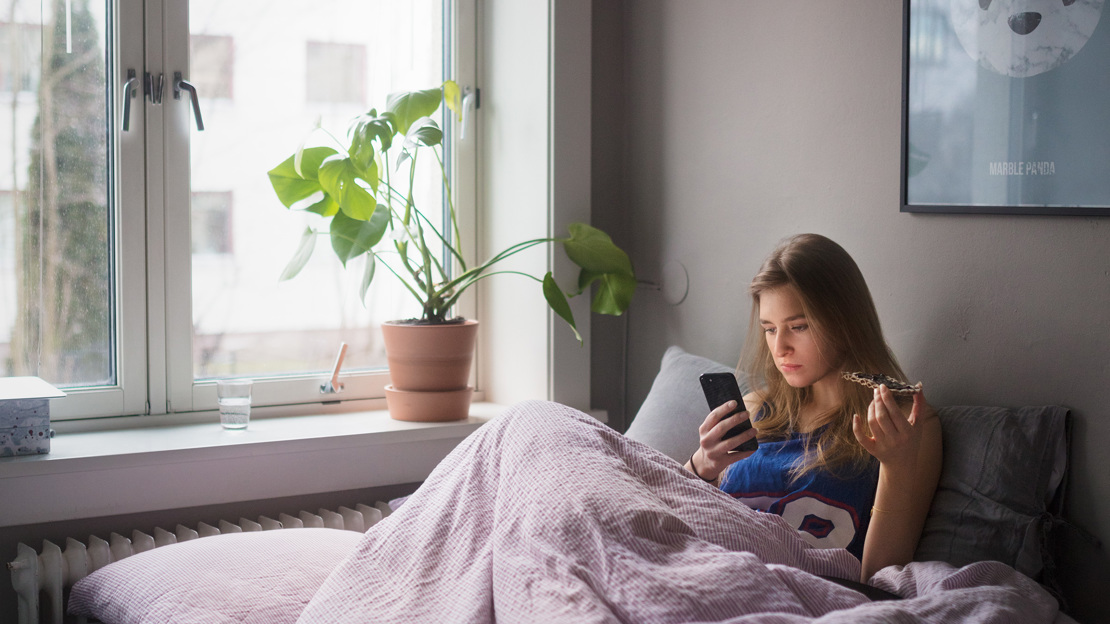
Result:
362,190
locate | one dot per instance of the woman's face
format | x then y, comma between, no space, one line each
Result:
791,340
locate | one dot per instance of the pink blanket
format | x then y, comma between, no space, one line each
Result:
545,515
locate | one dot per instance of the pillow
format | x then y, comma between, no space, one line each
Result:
1002,469
264,577
675,407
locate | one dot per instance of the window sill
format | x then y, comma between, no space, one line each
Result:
95,473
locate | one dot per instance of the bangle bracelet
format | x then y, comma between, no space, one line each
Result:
874,510
695,469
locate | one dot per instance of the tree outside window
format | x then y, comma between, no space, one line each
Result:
55,171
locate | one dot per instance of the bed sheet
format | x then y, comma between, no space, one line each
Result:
545,514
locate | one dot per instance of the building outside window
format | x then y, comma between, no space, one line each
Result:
19,63
340,75
211,223
212,61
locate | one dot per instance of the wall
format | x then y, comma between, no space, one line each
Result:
742,122
535,181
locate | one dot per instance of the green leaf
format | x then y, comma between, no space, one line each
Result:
351,238
367,277
585,278
300,258
614,294
326,207
289,185
593,250
452,97
424,131
558,302
310,160
340,178
364,131
412,105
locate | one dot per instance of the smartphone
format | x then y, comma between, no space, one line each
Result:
719,388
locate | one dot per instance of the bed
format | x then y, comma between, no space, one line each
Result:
546,515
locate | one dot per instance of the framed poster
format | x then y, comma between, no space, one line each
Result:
1006,107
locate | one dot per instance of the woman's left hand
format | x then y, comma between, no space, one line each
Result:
896,431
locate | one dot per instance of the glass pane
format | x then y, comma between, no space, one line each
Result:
55,249
265,81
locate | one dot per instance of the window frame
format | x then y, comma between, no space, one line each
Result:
153,337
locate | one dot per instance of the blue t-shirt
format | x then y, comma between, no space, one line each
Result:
829,511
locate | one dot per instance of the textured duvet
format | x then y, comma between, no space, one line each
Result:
545,515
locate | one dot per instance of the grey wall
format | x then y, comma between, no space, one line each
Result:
721,127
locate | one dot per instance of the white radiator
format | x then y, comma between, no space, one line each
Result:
41,580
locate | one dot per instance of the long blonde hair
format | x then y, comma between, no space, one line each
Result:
841,314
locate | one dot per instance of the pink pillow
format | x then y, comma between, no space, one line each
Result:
262,577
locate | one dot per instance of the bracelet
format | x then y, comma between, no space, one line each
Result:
695,469
875,510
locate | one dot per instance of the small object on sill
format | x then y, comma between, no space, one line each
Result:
25,415
333,386
234,398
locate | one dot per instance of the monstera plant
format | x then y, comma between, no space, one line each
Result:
362,188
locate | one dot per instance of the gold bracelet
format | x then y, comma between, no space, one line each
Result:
875,510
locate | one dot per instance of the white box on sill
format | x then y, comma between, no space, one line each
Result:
25,415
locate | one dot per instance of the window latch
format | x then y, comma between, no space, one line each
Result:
151,89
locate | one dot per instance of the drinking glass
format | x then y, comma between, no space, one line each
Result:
234,397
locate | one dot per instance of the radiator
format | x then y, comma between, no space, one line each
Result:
42,580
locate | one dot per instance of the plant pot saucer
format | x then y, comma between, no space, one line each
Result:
428,406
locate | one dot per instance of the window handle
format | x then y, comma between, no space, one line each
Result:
178,85
471,101
127,95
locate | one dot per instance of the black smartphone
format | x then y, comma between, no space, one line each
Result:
720,388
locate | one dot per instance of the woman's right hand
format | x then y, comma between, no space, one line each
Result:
713,454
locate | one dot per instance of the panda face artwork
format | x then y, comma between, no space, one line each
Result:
1022,38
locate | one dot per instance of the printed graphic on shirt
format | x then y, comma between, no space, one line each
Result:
823,523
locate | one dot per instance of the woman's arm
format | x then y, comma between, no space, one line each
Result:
908,447
712,456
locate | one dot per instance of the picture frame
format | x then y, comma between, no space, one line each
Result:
1005,107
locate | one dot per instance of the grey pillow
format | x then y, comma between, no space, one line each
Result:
1002,469
669,417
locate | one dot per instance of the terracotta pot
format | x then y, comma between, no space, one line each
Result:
429,366
427,405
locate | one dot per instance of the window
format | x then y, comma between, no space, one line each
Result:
139,264
8,282
55,221
339,75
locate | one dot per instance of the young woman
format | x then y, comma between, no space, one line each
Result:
848,466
